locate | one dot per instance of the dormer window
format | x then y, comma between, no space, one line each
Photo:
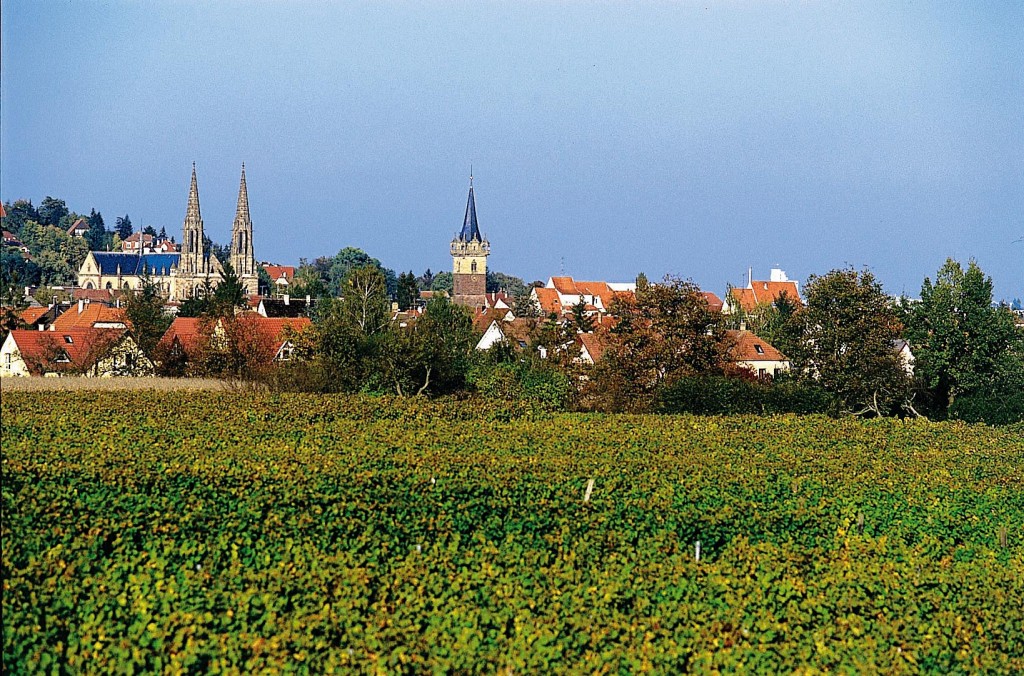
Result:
758,349
69,340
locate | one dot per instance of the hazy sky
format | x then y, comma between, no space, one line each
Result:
607,138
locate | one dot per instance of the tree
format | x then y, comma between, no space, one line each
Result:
499,281
18,213
123,227
349,259
144,310
408,290
961,342
163,234
434,353
665,332
229,294
581,322
149,230
425,280
442,282
846,342
51,210
525,305
97,235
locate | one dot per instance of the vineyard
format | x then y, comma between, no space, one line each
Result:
189,531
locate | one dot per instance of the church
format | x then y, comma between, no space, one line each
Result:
469,259
179,275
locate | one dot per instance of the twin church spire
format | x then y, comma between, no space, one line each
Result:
196,262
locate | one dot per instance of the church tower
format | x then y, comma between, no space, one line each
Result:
242,258
192,262
469,259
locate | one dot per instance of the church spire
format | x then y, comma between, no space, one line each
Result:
192,260
242,258
470,227
192,212
242,210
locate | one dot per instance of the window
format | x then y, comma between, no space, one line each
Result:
62,357
69,340
758,349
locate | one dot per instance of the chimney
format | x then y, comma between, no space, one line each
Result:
54,304
81,305
743,326
307,300
285,299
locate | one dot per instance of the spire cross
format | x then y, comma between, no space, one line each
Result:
470,175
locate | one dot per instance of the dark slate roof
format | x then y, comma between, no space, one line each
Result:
132,264
275,307
470,228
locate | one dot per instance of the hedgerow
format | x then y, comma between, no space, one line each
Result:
219,531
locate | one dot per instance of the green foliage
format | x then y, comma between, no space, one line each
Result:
499,281
51,211
144,310
229,293
16,272
503,374
273,533
57,254
442,282
846,342
97,235
18,214
408,290
717,395
961,343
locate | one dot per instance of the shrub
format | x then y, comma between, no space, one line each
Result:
716,395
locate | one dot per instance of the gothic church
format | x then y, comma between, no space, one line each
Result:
469,259
179,275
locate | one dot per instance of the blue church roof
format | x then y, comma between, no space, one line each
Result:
133,264
470,227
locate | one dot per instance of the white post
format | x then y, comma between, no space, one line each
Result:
696,552
590,489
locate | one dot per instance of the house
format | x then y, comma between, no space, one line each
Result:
560,294
284,306
79,228
138,242
90,316
592,346
902,348
281,275
88,352
761,293
187,336
746,350
516,331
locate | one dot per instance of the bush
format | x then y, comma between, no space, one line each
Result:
715,395
995,407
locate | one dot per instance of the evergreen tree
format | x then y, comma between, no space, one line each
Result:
144,310
408,291
229,294
97,235
123,227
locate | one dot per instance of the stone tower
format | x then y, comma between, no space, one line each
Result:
192,261
469,259
242,258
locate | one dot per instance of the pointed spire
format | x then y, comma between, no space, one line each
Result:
192,213
242,211
470,227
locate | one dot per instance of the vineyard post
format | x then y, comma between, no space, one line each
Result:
590,489
696,552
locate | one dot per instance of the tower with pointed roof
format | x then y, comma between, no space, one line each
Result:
191,262
242,258
469,259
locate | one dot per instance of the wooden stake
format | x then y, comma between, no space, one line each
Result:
696,552
590,489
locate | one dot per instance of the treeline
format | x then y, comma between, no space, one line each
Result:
669,352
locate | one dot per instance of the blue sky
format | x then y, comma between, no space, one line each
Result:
607,138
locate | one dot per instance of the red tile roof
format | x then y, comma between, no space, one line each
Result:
715,303
30,314
85,315
745,346
549,301
595,343
47,349
276,272
565,285
763,293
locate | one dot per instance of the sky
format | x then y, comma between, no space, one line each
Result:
699,139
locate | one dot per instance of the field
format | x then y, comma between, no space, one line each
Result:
190,531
